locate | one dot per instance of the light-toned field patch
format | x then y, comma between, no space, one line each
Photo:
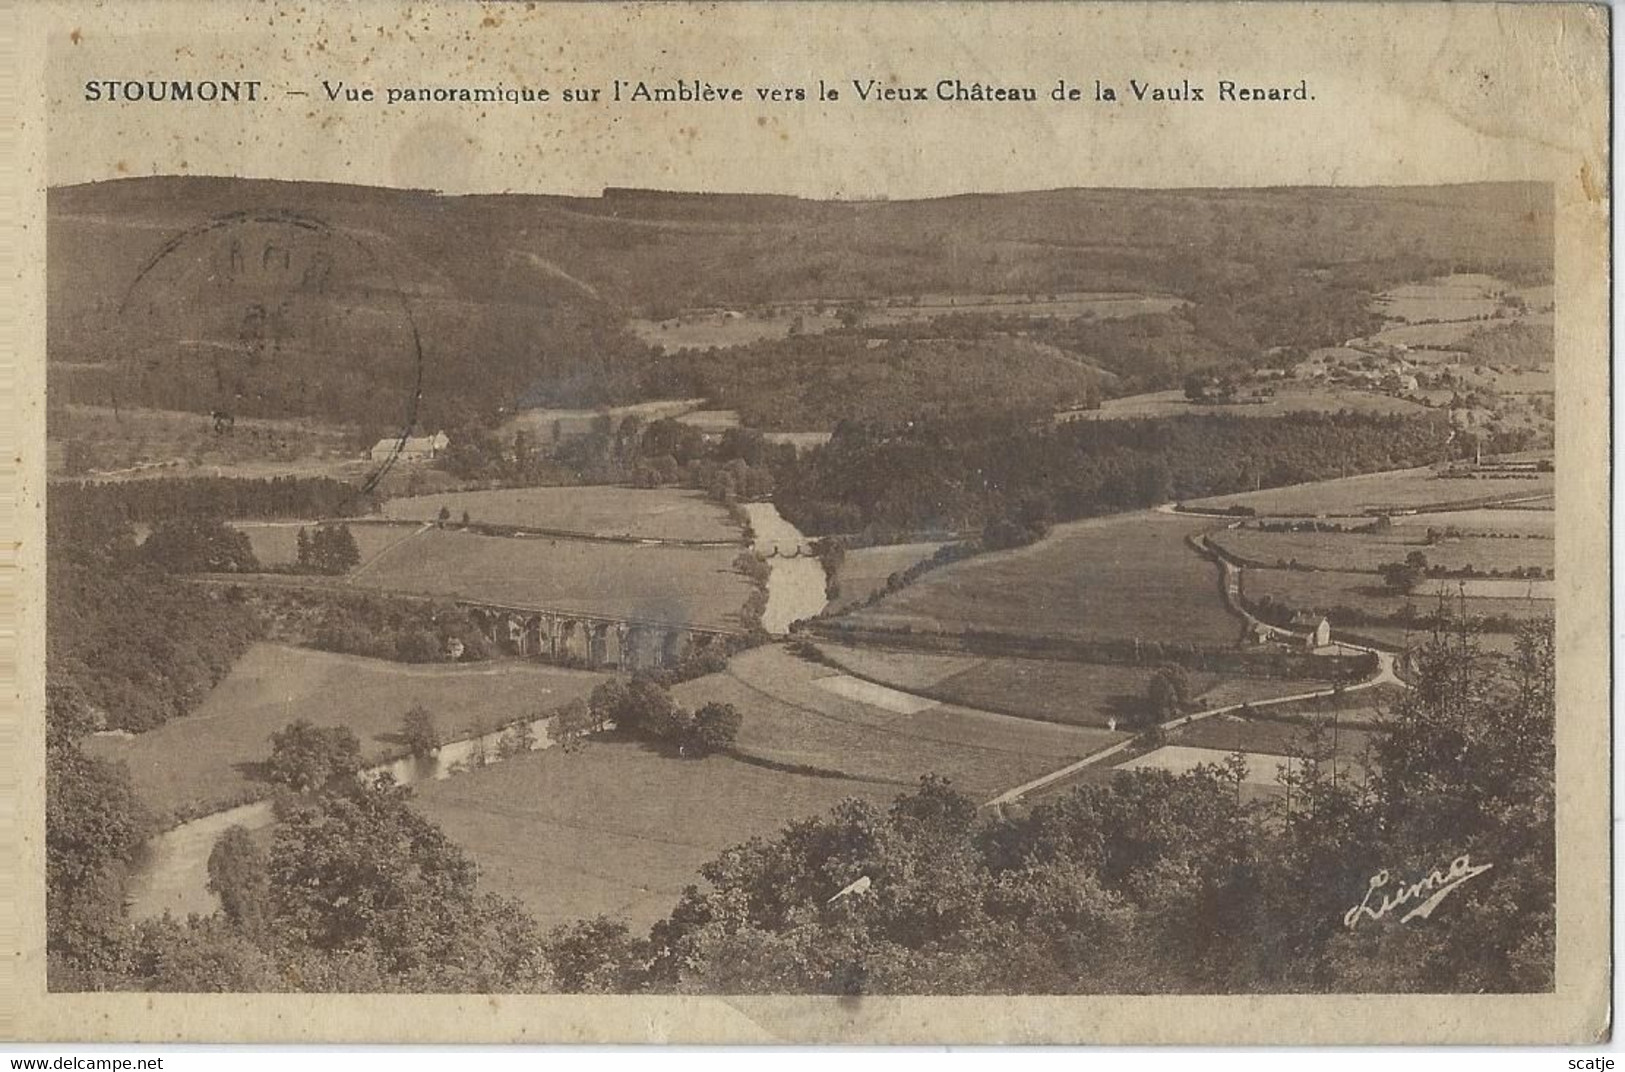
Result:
867,692
901,669
195,763
655,513
677,585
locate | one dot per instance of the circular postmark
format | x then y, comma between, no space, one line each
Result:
274,314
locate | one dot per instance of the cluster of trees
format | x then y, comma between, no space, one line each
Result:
94,828
355,892
738,466
138,646
378,627
641,707
330,549
197,544
1405,576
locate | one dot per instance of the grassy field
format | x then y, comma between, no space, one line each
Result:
1322,590
617,828
664,513
864,571
666,584
1521,522
1287,399
702,329
1231,732
275,543
192,764
796,713
1360,706
1453,297
1130,575
109,440
1082,694
1396,489
1367,551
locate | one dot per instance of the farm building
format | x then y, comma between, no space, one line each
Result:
1316,629
1257,633
411,449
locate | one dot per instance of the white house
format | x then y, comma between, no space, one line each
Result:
411,449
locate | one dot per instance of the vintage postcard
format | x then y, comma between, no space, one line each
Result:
819,523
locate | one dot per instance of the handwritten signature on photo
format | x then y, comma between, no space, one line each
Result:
1436,884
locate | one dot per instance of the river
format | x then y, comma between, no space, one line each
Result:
795,587
173,875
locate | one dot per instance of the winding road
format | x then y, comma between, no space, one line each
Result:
1231,574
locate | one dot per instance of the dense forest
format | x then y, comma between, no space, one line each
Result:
928,476
75,503
1152,883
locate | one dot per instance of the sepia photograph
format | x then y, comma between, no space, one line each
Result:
659,582
1016,593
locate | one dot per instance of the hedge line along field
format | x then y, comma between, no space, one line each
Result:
1374,492
1368,551
1080,694
196,763
680,585
1125,576
655,513
864,570
802,715
276,543
617,828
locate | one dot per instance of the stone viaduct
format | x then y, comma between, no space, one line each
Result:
595,640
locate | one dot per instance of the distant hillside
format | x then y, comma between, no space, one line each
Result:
514,295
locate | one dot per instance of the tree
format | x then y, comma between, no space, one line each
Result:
306,757
199,545
444,515
239,876
420,732
1400,576
94,825
571,725
331,549
715,728
1167,693
595,956
358,871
